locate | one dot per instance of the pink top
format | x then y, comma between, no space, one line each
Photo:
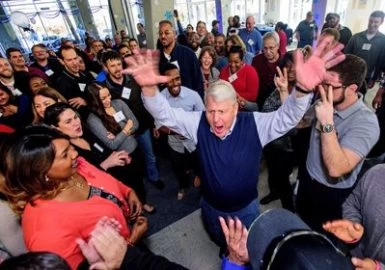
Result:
51,225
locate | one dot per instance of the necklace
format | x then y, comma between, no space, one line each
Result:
75,181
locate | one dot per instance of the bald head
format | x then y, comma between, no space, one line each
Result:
250,22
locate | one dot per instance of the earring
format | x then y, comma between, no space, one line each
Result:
46,178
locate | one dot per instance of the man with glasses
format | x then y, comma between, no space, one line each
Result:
342,135
266,64
182,57
49,65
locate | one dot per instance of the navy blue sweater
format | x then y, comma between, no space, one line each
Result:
230,167
190,71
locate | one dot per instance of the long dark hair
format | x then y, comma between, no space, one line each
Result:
96,105
53,112
27,156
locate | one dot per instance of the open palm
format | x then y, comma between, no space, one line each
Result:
143,66
312,72
345,230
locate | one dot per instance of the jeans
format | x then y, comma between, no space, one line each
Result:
210,218
145,143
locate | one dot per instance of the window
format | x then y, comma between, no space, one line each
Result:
102,19
50,21
193,11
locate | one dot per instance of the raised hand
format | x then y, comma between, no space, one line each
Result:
236,238
345,230
324,108
281,81
143,66
312,72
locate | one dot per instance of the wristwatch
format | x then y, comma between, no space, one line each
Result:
327,128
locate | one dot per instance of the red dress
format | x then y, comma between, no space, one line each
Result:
51,225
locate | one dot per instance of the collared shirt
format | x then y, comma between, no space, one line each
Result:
372,51
252,40
357,130
189,101
269,125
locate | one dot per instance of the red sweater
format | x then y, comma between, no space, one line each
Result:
54,226
247,83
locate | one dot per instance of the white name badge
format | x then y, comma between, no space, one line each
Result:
49,72
366,46
251,42
144,42
233,77
82,86
126,93
1,114
16,92
311,25
98,147
176,64
119,116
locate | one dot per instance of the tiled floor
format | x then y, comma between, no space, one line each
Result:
187,243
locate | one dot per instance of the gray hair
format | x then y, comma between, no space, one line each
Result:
220,91
271,35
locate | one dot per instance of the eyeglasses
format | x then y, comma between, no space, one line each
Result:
326,86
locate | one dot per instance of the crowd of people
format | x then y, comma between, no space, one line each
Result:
77,129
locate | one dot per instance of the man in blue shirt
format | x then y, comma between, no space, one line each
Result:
306,31
182,150
251,37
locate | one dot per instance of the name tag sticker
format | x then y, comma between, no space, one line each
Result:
126,93
49,72
1,114
144,42
17,92
233,77
119,116
311,25
366,46
98,147
82,86
176,64
251,42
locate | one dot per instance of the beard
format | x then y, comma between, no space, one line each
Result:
339,101
4,76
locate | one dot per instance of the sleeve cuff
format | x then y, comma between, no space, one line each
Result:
229,265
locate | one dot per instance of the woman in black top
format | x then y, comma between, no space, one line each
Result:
121,165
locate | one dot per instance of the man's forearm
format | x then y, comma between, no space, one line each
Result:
334,158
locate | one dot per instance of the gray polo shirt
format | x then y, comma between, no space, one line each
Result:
357,130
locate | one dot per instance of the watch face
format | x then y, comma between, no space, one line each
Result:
327,128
